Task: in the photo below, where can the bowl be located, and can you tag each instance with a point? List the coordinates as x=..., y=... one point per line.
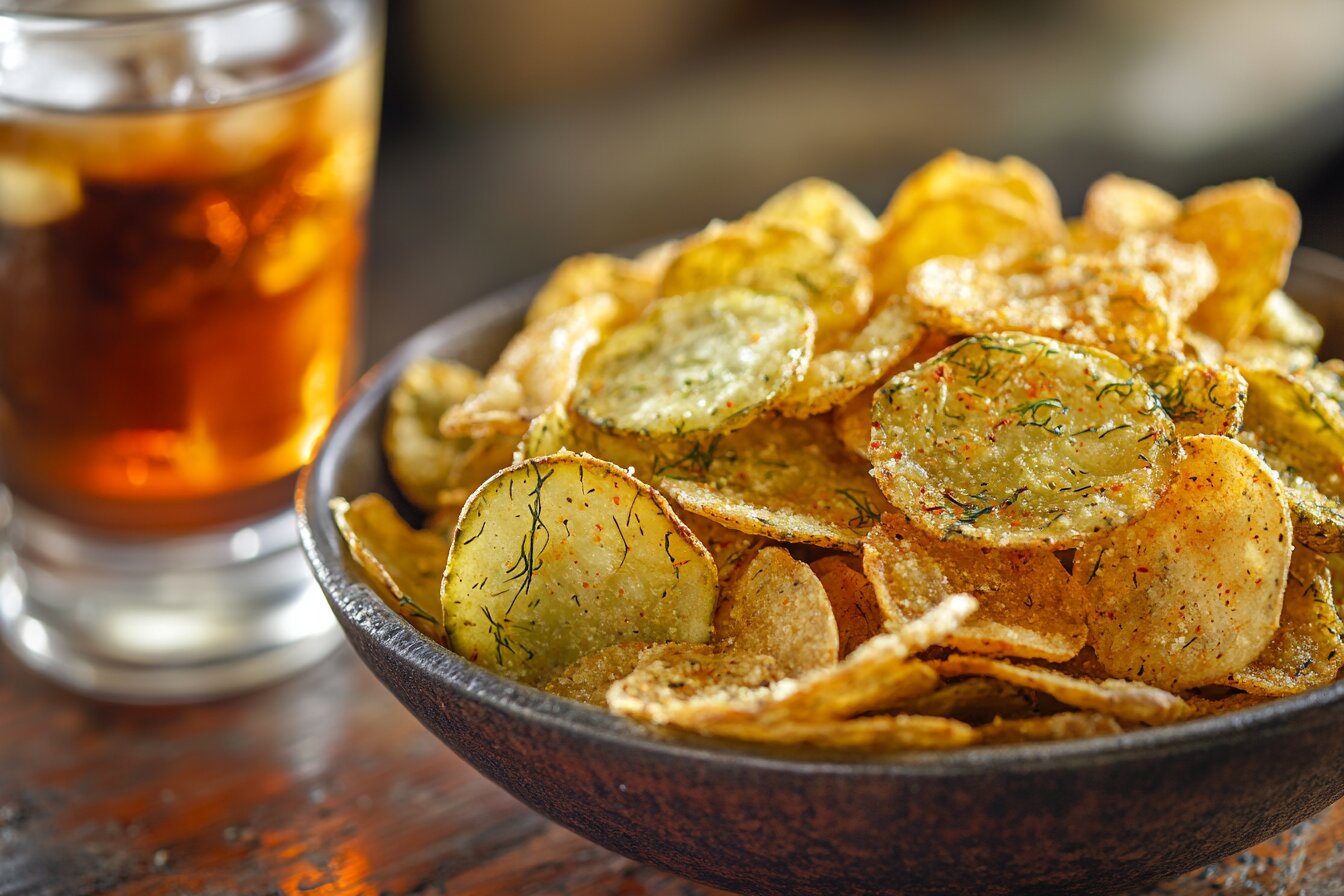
x=1104, y=815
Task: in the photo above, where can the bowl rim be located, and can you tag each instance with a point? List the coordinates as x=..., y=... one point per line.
x=357, y=605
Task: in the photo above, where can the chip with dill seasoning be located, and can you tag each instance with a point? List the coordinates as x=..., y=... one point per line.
x=697, y=363
x=1018, y=440
x=562, y=556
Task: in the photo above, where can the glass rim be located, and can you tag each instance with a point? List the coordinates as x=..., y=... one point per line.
x=72, y=19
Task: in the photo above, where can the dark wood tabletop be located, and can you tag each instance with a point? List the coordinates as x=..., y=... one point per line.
x=325, y=785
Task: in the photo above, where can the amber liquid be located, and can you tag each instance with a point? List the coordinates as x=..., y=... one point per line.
x=178, y=298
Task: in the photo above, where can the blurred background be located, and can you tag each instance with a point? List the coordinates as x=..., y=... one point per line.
x=518, y=132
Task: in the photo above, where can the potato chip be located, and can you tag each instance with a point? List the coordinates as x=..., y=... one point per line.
x=536, y=370
x=444, y=520
x=1206, y=706
x=697, y=363
x=1201, y=347
x=631, y=284
x=674, y=686
x=870, y=733
x=1299, y=424
x=853, y=422
x=789, y=480
x=431, y=470
x=588, y=678
x=732, y=550
x=1250, y=228
x=1192, y=591
x=1130, y=300
x=975, y=701
x=1318, y=520
x=1306, y=652
x=405, y=566
x=1201, y=399
x=1118, y=206
x=1283, y=320
x=778, y=608
x=860, y=360
x=853, y=603
x=1060, y=726
x=1129, y=701
x=960, y=205
x=1027, y=606
x=562, y=556
x=826, y=206
x=779, y=259
x=1252, y=351
x=1018, y=440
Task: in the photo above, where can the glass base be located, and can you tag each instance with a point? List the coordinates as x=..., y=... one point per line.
x=159, y=621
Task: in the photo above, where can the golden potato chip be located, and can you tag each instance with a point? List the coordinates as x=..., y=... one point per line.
x=1201, y=347
x=1027, y=606
x=960, y=205
x=1130, y=300
x=853, y=603
x=562, y=556
x=588, y=678
x=550, y=432
x=860, y=360
x=1306, y=652
x=1299, y=424
x=429, y=469
x=1060, y=726
x=697, y=688
x=1201, y=399
x=1117, y=206
x=1252, y=351
x=536, y=370
x=1318, y=520
x=1207, y=706
x=785, y=479
x=731, y=549
x=405, y=566
x=1283, y=320
x=697, y=363
x=779, y=259
x=1018, y=440
x=778, y=608
x=443, y=521
x=870, y=733
x=853, y=422
x=976, y=701
x=1250, y=228
x=1192, y=591
x=631, y=284
x=1129, y=701
x=826, y=206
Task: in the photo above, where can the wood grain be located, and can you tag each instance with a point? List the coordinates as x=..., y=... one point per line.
x=325, y=785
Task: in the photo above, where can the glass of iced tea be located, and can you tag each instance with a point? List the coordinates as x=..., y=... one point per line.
x=182, y=194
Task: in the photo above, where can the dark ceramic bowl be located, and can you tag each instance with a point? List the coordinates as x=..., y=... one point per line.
x=1104, y=815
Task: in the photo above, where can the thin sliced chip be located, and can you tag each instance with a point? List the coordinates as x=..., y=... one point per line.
x=405, y=566
x=443, y=521
x=853, y=422
x=1201, y=347
x=1192, y=591
x=1306, y=652
x=697, y=363
x=826, y=206
x=1217, y=706
x=781, y=259
x=549, y=432
x=588, y=678
x=961, y=205
x=1252, y=351
x=536, y=370
x=861, y=359
x=429, y=469
x=1027, y=606
x=1250, y=228
x=778, y=608
x=631, y=284
x=975, y=701
x=853, y=603
x=1060, y=726
x=1018, y=440
x=697, y=688
x=874, y=734
x=732, y=550
x=1130, y=300
x=1130, y=701
x=1117, y=206
x=562, y=556
x=1201, y=399
x=1283, y=320
x=1318, y=520
x=790, y=480
x=1298, y=423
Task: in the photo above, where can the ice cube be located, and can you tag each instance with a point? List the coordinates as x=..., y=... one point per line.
x=62, y=77
x=263, y=35
x=33, y=194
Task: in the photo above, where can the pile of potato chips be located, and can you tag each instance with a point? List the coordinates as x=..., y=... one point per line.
x=965, y=473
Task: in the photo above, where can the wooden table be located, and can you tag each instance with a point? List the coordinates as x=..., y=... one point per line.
x=325, y=785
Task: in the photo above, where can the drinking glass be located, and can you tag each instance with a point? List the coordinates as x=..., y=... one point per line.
x=183, y=187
